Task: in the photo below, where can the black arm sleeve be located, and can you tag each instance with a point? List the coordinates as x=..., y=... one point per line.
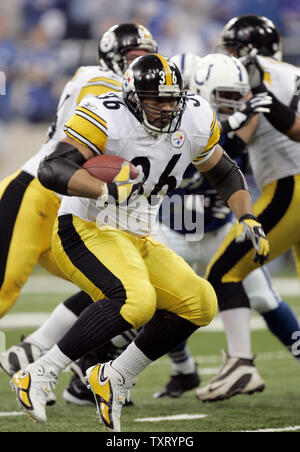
x=235, y=147
x=56, y=169
x=281, y=117
x=226, y=177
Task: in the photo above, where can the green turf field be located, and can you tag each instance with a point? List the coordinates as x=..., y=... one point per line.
x=277, y=408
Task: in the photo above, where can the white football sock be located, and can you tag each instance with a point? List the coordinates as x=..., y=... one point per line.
x=54, y=358
x=237, y=328
x=131, y=362
x=53, y=329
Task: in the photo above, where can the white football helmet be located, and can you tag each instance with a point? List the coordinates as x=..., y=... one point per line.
x=186, y=63
x=222, y=80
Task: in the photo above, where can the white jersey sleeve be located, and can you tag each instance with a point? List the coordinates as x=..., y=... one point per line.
x=202, y=127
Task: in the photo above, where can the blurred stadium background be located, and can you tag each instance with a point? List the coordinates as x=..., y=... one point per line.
x=42, y=42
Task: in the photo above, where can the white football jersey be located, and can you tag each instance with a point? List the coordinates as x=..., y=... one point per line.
x=88, y=80
x=105, y=124
x=273, y=155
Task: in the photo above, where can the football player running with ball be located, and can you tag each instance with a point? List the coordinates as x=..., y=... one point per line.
x=275, y=163
x=133, y=279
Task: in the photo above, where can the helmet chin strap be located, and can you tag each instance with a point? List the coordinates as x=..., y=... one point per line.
x=117, y=68
x=152, y=130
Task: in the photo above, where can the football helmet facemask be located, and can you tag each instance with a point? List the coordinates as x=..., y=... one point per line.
x=222, y=80
x=118, y=40
x=243, y=34
x=155, y=79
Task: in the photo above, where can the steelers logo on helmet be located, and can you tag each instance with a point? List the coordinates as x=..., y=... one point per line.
x=144, y=33
x=108, y=41
x=119, y=40
x=128, y=80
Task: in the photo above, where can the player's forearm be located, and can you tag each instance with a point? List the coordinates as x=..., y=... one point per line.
x=226, y=177
x=294, y=132
x=240, y=203
x=84, y=185
x=284, y=119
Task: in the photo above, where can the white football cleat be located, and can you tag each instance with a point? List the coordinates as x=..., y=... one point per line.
x=236, y=376
x=32, y=386
x=18, y=357
x=110, y=392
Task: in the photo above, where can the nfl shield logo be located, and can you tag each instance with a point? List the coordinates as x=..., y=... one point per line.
x=177, y=139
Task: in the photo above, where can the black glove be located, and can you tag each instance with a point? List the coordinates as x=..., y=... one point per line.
x=255, y=74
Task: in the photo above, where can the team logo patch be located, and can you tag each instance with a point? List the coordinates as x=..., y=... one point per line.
x=144, y=33
x=128, y=80
x=177, y=139
x=108, y=41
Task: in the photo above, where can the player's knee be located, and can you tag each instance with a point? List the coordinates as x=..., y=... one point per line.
x=264, y=301
x=140, y=306
x=208, y=303
x=201, y=305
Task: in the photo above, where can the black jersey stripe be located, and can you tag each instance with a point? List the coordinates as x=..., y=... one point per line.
x=85, y=261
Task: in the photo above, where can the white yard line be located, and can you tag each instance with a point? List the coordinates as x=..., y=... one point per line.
x=184, y=417
x=48, y=284
x=216, y=359
x=23, y=320
x=35, y=319
x=11, y=413
x=52, y=284
x=291, y=428
x=175, y=417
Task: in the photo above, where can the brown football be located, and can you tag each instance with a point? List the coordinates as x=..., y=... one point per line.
x=106, y=167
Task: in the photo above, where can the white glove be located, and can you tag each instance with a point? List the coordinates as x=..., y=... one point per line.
x=257, y=104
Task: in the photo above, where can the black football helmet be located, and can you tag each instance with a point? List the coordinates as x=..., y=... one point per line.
x=118, y=40
x=247, y=32
x=156, y=77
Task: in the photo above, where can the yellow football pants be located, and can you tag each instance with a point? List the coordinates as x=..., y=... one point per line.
x=139, y=274
x=27, y=212
x=277, y=209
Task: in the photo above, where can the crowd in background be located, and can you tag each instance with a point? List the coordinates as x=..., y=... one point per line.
x=42, y=42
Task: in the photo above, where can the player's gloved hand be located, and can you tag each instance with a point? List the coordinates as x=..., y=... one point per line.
x=255, y=73
x=250, y=228
x=257, y=104
x=122, y=186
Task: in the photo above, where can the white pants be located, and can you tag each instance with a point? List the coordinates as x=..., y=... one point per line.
x=263, y=297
